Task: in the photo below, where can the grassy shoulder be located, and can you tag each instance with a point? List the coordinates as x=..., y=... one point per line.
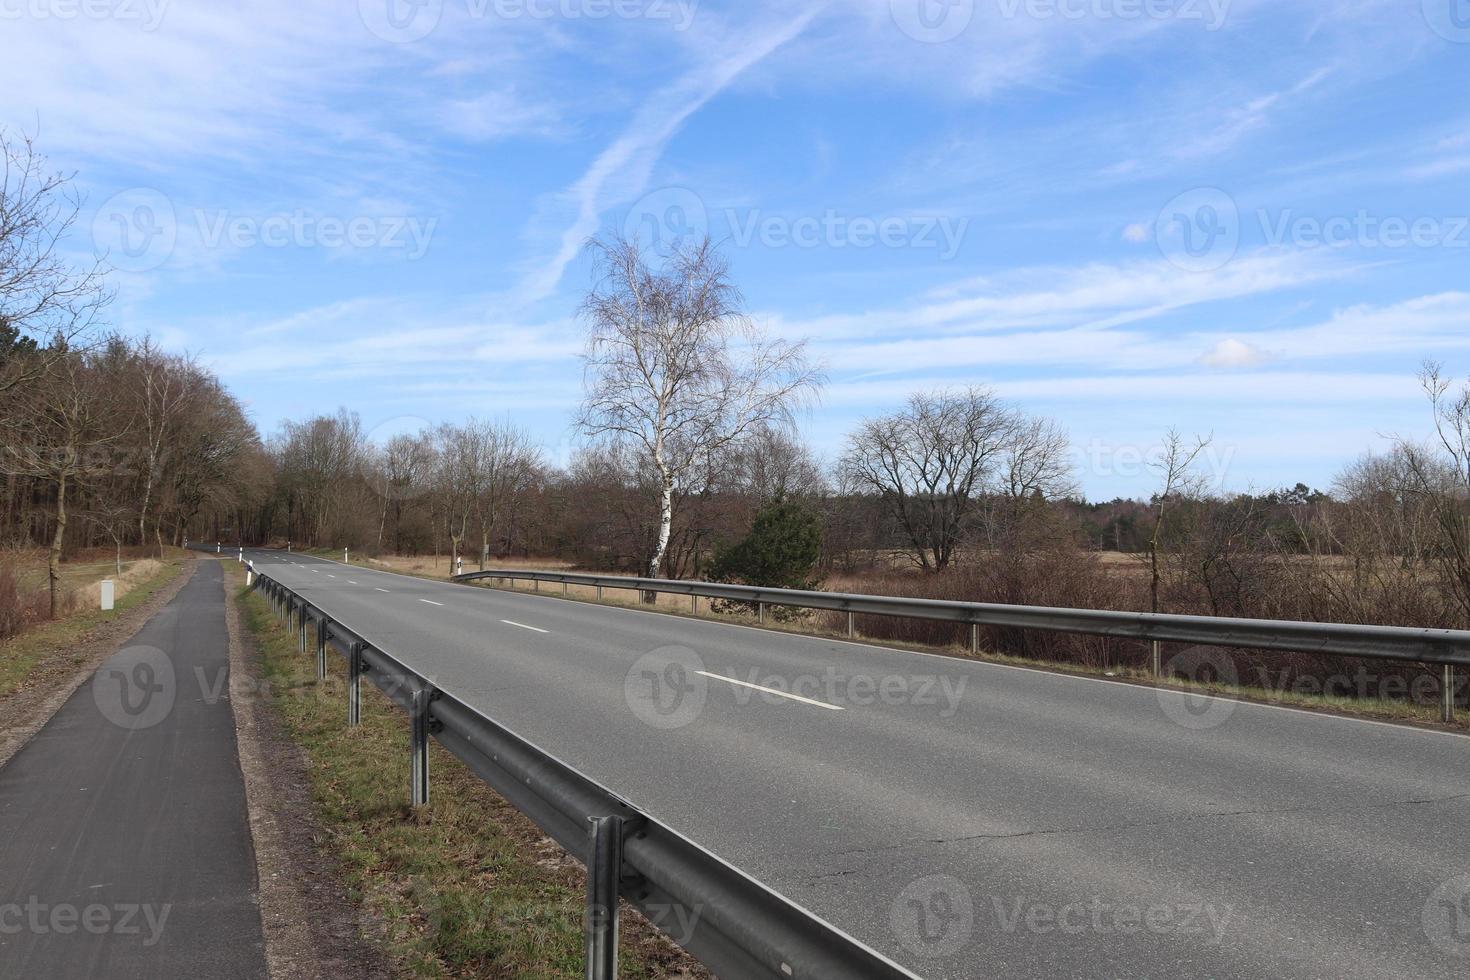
x=466, y=888
x=20, y=654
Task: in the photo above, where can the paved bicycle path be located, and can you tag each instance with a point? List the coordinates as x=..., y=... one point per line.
x=125, y=851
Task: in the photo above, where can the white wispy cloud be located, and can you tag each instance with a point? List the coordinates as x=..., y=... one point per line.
x=1093, y=295
x=620, y=172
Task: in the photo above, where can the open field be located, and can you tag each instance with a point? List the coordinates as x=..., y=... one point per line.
x=21, y=653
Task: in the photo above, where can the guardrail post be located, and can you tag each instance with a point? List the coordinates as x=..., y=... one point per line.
x=301, y=629
x=354, y=685
x=419, y=743
x=1447, y=694
x=321, y=648
x=604, y=874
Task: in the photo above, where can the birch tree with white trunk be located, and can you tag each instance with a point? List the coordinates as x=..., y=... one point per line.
x=675, y=368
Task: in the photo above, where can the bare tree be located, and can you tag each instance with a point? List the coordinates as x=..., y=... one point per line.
x=771, y=464
x=167, y=385
x=459, y=480
x=115, y=517
x=43, y=293
x=56, y=434
x=1175, y=467
x=508, y=461
x=402, y=470
x=1442, y=480
x=673, y=365
x=929, y=463
x=1036, y=460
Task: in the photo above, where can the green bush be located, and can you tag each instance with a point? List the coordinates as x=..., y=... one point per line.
x=780, y=552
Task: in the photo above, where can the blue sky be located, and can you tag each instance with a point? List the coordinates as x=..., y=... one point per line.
x=1241, y=217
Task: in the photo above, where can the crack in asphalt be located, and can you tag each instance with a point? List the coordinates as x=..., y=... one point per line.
x=1131, y=825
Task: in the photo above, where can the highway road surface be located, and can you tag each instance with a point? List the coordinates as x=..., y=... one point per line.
x=125, y=849
x=968, y=819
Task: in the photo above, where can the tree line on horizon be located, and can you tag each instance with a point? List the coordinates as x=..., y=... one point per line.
x=689, y=442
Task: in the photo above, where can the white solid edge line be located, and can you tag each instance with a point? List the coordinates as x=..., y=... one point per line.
x=534, y=629
x=431, y=602
x=772, y=690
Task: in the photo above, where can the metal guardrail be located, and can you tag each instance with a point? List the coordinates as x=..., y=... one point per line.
x=735, y=925
x=1439, y=647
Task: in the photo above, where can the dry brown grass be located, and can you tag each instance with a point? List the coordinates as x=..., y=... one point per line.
x=428, y=566
x=25, y=596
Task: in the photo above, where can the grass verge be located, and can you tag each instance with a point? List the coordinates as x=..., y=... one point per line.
x=20, y=654
x=467, y=887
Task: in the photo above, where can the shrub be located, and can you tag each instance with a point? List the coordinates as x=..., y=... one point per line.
x=780, y=552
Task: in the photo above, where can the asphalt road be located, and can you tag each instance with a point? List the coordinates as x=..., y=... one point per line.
x=126, y=850
x=968, y=819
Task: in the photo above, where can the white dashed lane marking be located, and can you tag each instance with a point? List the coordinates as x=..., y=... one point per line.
x=533, y=629
x=772, y=690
